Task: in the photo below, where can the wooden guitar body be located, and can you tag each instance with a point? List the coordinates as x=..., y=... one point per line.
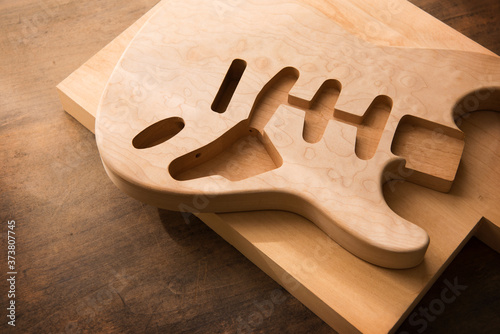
x=273, y=105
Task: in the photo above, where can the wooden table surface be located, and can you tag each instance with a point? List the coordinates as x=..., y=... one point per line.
x=91, y=259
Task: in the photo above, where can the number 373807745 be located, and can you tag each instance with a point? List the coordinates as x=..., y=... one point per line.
x=11, y=240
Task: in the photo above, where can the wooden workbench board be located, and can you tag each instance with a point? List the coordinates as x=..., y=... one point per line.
x=349, y=294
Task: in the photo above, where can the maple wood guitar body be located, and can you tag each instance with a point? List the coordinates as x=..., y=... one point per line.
x=275, y=106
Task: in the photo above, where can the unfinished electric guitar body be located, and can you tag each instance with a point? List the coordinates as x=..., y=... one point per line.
x=272, y=105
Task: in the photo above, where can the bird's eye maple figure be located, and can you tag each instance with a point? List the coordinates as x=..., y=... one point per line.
x=308, y=119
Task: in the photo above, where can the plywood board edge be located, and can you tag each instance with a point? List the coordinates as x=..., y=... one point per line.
x=71, y=106
x=93, y=75
x=277, y=273
x=489, y=233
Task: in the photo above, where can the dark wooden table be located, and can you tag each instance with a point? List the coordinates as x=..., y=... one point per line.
x=91, y=259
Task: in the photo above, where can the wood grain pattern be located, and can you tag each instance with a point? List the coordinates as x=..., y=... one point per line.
x=130, y=227
x=315, y=59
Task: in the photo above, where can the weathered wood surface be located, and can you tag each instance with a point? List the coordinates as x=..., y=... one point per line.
x=92, y=259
